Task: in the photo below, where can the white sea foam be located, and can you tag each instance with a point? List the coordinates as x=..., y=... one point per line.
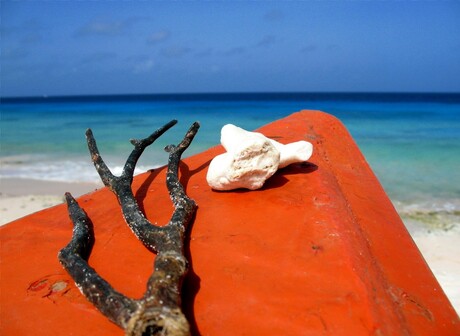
x=67, y=170
x=434, y=215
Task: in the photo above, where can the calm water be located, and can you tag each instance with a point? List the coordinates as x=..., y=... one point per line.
x=411, y=141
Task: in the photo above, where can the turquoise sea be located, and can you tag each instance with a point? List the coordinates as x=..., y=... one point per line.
x=412, y=141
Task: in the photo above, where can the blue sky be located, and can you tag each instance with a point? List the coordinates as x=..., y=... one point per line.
x=118, y=47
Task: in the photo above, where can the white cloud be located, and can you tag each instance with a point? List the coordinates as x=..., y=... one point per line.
x=158, y=37
x=101, y=28
x=106, y=27
x=144, y=66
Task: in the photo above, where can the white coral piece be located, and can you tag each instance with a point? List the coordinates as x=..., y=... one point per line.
x=251, y=159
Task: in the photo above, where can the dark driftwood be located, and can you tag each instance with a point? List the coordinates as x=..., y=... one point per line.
x=158, y=312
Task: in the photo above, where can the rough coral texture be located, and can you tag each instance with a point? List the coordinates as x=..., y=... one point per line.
x=251, y=158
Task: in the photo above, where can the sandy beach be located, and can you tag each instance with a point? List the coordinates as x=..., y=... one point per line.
x=439, y=246
x=20, y=197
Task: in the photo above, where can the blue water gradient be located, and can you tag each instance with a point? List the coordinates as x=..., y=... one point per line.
x=412, y=141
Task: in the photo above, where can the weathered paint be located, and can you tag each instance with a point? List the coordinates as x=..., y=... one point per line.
x=319, y=250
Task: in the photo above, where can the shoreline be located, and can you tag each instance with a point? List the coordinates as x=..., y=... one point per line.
x=439, y=247
x=21, y=197
x=11, y=187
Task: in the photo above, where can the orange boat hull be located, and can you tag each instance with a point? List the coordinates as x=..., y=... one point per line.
x=319, y=250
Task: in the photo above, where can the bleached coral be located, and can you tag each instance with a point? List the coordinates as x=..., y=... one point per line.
x=251, y=159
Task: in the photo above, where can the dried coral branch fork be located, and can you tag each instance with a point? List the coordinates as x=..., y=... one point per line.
x=159, y=311
x=318, y=250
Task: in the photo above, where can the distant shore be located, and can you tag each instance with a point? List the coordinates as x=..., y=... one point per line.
x=20, y=197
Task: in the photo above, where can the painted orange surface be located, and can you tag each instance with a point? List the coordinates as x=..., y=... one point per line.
x=320, y=250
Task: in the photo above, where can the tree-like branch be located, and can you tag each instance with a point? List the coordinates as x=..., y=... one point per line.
x=73, y=257
x=121, y=185
x=159, y=310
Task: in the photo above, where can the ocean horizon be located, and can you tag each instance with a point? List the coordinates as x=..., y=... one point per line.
x=410, y=140
x=446, y=97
